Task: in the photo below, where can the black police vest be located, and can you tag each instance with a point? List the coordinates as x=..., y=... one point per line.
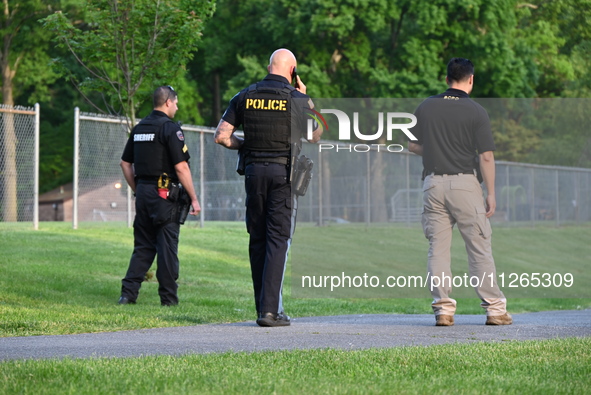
x=150, y=155
x=267, y=118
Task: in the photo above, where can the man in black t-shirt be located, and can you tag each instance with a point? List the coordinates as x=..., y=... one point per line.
x=455, y=140
x=156, y=146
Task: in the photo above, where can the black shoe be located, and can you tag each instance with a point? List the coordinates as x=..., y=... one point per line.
x=273, y=319
x=124, y=300
x=168, y=304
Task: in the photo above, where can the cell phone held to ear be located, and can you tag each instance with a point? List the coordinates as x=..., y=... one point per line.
x=294, y=78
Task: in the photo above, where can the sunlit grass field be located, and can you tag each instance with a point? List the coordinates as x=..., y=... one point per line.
x=62, y=281
x=57, y=280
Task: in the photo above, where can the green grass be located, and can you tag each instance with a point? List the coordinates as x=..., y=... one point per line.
x=547, y=367
x=382, y=251
x=61, y=281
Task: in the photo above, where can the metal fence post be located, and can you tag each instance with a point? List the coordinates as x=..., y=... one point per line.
x=320, y=189
x=508, y=202
x=368, y=190
x=557, y=186
x=202, y=177
x=129, y=207
x=76, y=160
x=36, y=172
x=532, y=211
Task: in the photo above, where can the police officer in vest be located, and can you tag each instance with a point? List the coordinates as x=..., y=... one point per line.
x=267, y=110
x=155, y=165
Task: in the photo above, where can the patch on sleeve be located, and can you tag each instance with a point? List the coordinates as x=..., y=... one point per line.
x=185, y=149
x=180, y=135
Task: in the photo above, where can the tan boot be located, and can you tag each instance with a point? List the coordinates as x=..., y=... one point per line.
x=504, y=319
x=444, y=320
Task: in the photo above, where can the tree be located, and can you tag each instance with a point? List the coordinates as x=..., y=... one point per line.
x=234, y=53
x=562, y=32
x=23, y=64
x=128, y=47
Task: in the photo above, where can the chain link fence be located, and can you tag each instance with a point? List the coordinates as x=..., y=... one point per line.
x=100, y=192
x=19, y=164
x=370, y=186
x=379, y=186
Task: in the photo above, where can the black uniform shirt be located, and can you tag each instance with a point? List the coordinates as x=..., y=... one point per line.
x=171, y=136
x=452, y=128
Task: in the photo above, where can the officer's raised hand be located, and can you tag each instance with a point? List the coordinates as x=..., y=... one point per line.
x=300, y=87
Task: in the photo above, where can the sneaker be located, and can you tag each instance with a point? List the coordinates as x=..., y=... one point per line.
x=273, y=319
x=444, y=320
x=504, y=319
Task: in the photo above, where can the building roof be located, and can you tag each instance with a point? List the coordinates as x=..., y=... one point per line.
x=59, y=194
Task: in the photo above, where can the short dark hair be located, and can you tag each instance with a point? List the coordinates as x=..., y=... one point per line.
x=459, y=69
x=162, y=94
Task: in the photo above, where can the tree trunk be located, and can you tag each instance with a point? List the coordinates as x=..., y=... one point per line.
x=217, y=193
x=326, y=196
x=217, y=99
x=379, y=207
x=8, y=149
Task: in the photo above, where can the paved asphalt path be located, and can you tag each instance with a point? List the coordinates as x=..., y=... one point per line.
x=341, y=332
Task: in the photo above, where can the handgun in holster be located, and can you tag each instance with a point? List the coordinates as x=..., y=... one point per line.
x=184, y=205
x=293, y=160
x=302, y=175
x=477, y=170
x=241, y=161
x=300, y=170
x=177, y=194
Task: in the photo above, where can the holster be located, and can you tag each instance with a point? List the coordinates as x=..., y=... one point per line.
x=478, y=172
x=184, y=205
x=241, y=161
x=174, y=190
x=177, y=206
x=301, y=175
x=293, y=159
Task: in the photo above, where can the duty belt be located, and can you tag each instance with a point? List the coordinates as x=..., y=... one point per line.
x=281, y=160
x=152, y=180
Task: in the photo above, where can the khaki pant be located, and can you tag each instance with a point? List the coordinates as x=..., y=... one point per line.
x=447, y=200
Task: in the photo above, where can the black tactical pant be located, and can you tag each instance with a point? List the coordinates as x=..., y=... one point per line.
x=151, y=238
x=270, y=221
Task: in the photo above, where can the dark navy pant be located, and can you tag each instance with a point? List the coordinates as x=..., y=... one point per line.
x=270, y=221
x=151, y=240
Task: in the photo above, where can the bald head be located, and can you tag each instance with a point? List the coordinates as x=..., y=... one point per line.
x=282, y=63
